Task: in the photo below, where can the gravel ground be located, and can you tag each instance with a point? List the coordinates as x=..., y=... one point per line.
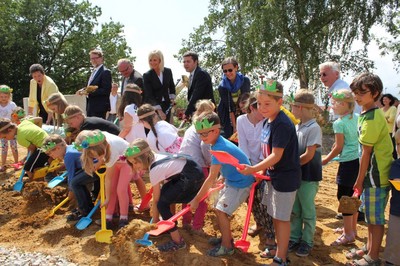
x=16, y=257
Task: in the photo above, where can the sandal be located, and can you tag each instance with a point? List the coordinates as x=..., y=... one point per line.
x=172, y=246
x=343, y=240
x=278, y=261
x=357, y=253
x=366, y=260
x=254, y=230
x=338, y=230
x=269, y=252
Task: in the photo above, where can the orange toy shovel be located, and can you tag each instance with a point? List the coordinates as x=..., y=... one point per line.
x=163, y=226
x=243, y=244
x=146, y=199
x=103, y=235
x=226, y=158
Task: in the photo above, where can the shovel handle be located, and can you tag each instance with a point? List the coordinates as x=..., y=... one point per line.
x=247, y=221
x=146, y=236
x=90, y=214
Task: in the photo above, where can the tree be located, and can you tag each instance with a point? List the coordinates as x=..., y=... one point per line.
x=287, y=37
x=57, y=34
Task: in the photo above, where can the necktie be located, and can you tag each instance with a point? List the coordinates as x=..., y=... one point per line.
x=190, y=80
x=91, y=77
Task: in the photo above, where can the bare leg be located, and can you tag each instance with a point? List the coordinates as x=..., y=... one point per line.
x=225, y=228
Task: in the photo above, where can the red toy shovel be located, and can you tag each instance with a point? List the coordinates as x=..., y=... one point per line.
x=163, y=226
x=242, y=243
x=226, y=158
x=146, y=199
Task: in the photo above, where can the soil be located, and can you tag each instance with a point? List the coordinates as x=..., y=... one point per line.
x=24, y=223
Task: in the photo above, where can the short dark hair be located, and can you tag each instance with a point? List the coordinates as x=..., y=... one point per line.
x=192, y=54
x=36, y=68
x=390, y=97
x=369, y=80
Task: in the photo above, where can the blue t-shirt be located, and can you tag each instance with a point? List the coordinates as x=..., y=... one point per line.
x=395, y=199
x=232, y=177
x=281, y=133
x=347, y=125
x=72, y=162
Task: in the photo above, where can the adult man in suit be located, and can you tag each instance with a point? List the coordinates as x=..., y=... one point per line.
x=97, y=102
x=200, y=85
x=129, y=74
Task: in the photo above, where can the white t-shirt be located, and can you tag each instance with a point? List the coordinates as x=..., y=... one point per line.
x=193, y=146
x=6, y=111
x=249, y=138
x=137, y=129
x=166, y=170
x=117, y=146
x=113, y=103
x=167, y=134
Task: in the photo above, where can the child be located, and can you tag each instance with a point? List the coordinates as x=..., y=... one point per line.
x=57, y=104
x=391, y=254
x=107, y=148
x=281, y=152
x=163, y=137
x=181, y=179
x=29, y=136
x=249, y=127
x=6, y=108
x=200, y=152
x=127, y=111
x=237, y=186
x=55, y=147
x=112, y=114
x=309, y=135
x=375, y=162
x=346, y=148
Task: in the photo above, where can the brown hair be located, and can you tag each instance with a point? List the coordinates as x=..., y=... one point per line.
x=145, y=109
x=146, y=158
x=279, y=88
x=210, y=116
x=57, y=139
x=369, y=80
x=129, y=97
x=6, y=125
x=251, y=101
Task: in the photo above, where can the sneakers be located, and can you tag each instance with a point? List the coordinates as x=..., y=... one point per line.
x=74, y=216
x=122, y=223
x=172, y=246
x=220, y=251
x=215, y=241
x=293, y=245
x=303, y=250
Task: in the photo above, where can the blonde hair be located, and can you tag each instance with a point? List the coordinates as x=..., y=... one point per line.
x=348, y=98
x=73, y=110
x=146, y=158
x=279, y=89
x=202, y=106
x=158, y=54
x=304, y=96
x=102, y=148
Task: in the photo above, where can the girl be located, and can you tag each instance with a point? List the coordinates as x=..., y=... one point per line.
x=233, y=84
x=106, y=148
x=131, y=101
x=6, y=108
x=57, y=104
x=249, y=127
x=30, y=136
x=181, y=178
x=346, y=148
x=163, y=137
x=200, y=152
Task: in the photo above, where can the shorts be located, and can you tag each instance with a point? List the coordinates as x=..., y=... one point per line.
x=374, y=203
x=393, y=240
x=36, y=160
x=279, y=204
x=230, y=198
x=347, y=173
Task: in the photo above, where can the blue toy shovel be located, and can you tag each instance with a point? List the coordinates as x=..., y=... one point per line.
x=19, y=184
x=57, y=180
x=84, y=222
x=145, y=240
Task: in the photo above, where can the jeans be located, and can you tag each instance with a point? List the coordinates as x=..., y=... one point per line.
x=82, y=195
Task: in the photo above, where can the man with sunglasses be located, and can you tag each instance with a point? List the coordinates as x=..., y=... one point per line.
x=129, y=74
x=200, y=85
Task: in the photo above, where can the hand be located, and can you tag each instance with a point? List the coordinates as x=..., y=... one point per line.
x=247, y=170
x=80, y=92
x=71, y=195
x=104, y=204
x=324, y=161
x=193, y=205
x=358, y=186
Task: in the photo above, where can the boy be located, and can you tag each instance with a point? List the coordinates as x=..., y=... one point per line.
x=375, y=162
x=281, y=152
x=304, y=216
x=237, y=186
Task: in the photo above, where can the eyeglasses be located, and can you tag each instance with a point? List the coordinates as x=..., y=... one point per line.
x=360, y=93
x=123, y=71
x=323, y=74
x=227, y=70
x=205, y=134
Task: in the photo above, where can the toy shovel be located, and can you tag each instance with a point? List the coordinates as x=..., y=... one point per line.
x=163, y=226
x=53, y=211
x=145, y=240
x=19, y=184
x=226, y=158
x=146, y=199
x=243, y=244
x=103, y=235
x=350, y=204
x=57, y=180
x=84, y=222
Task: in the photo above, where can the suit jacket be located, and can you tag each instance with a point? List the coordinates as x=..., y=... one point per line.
x=154, y=91
x=99, y=101
x=48, y=87
x=200, y=88
x=135, y=77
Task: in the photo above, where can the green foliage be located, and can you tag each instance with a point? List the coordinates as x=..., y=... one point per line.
x=58, y=34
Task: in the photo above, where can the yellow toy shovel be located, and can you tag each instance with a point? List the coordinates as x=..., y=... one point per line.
x=53, y=211
x=103, y=235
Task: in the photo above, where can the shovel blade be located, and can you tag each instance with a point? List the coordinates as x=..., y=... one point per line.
x=18, y=186
x=83, y=223
x=162, y=226
x=243, y=245
x=144, y=242
x=55, y=181
x=104, y=236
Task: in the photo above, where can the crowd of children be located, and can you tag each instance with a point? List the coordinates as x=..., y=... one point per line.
x=182, y=170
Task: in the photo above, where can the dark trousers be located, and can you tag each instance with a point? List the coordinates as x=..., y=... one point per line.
x=82, y=195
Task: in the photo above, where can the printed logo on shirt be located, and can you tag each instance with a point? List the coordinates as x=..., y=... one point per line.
x=265, y=135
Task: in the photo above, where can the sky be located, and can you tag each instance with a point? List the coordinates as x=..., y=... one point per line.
x=162, y=24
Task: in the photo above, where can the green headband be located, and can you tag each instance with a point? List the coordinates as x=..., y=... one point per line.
x=5, y=89
x=204, y=125
x=269, y=87
x=135, y=151
x=90, y=141
x=48, y=146
x=341, y=96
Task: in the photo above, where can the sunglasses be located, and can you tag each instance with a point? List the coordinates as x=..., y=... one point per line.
x=227, y=70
